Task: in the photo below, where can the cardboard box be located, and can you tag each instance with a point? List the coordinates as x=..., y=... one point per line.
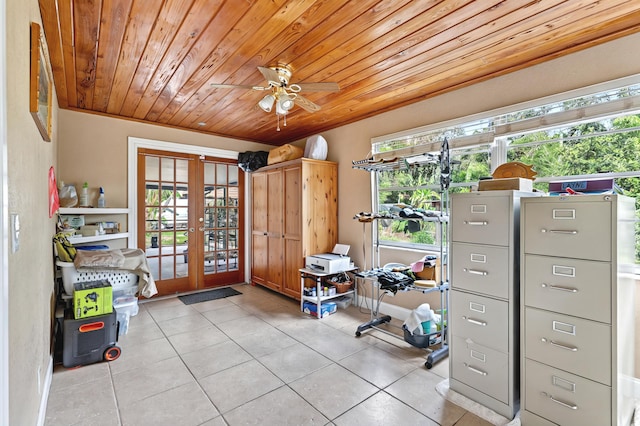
x=92, y=298
x=518, y=184
x=326, y=309
x=75, y=221
x=431, y=272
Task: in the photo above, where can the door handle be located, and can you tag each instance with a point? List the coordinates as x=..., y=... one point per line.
x=192, y=229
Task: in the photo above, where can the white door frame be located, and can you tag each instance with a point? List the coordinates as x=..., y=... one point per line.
x=134, y=144
x=4, y=226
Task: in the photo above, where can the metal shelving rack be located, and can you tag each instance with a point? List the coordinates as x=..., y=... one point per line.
x=442, y=219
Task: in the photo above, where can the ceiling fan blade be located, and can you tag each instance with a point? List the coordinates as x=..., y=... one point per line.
x=237, y=86
x=270, y=75
x=306, y=104
x=319, y=87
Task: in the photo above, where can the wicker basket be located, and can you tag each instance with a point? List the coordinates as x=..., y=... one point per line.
x=342, y=287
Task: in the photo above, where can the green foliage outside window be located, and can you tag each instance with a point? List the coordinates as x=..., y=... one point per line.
x=572, y=151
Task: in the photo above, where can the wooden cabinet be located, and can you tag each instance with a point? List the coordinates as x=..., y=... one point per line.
x=294, y=215
x=577, y=310
x=484, y=315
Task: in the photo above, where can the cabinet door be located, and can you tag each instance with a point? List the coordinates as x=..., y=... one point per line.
x=275, y=254
x=259, y=202
x=292, y=214
x=259, y=239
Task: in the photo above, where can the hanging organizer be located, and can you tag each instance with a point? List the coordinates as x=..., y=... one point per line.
x=376, y=276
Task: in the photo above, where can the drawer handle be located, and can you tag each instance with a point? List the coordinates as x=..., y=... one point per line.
x=475, y=370
x=475, y=272
x=557, y=401
x=476, y=322
x=476, y=223
x=559, y=288
x=559, y=231
x=558, y=345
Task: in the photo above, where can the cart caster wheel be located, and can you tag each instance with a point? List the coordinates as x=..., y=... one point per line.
x=428, y=365
x=112, y=353
x=358, y=334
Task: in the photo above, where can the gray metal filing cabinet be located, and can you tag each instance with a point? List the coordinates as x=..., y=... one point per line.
x=484, y=300
x=577, y=310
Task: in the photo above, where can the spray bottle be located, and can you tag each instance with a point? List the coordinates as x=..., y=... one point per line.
x=101, y=198
x=84, y=195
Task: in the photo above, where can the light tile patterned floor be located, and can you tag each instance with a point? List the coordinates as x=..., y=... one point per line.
x=251, y=359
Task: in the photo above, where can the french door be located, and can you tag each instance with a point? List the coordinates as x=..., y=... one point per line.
x=190, y=217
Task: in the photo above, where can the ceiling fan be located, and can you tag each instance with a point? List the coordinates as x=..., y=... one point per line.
x=283, y=94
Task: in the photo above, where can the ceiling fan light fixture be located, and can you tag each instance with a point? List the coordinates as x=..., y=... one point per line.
x=283, y=105
x=266, y=103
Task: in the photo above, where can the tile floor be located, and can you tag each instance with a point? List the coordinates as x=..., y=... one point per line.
x=251, y=359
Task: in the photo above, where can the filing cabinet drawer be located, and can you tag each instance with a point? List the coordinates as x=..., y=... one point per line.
x=480, y=367
x=567, y=228
x=574, y=287
x=564, y=398
x=573, y=344
x=483, y=319
x=480, y=268
x=481, y=219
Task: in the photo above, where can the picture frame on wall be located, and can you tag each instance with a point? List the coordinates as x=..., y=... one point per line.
x=40, y=86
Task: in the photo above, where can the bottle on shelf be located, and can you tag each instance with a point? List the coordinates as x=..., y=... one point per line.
x=84, y=195
x=101, y=198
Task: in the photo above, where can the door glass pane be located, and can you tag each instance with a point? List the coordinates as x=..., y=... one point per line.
x=167, y=169
x=221, y=174
x=182, y=170
x=152, y=171
x=167, y=268
x=233, y=175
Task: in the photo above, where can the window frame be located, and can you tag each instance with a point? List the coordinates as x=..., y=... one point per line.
x=501, y=129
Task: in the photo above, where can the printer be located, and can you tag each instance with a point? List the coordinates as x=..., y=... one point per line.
x=330, y=263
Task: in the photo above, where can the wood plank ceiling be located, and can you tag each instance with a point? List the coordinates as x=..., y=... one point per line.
x=156, y=60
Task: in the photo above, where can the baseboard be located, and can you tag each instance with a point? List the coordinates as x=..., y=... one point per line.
x=393, y=311
x=45, y=392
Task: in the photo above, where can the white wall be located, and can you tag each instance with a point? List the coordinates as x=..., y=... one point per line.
x=31, y=287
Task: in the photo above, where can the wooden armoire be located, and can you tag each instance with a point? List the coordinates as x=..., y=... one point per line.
x=294, y=214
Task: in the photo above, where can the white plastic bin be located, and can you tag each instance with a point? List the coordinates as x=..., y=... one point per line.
x=126, y=307
x=118, y=279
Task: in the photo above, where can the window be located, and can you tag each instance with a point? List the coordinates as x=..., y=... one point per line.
x=586, y=137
